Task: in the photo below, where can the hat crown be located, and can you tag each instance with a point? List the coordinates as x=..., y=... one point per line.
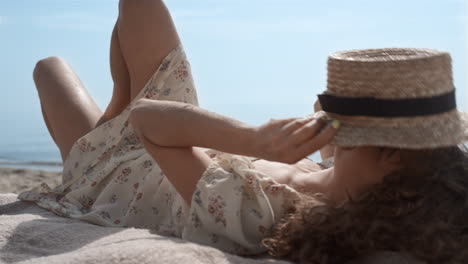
x=389, y=73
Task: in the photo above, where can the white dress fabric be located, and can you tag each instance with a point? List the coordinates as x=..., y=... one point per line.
x=109, y=179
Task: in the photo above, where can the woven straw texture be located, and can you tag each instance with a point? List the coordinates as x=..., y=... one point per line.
x=395, y=74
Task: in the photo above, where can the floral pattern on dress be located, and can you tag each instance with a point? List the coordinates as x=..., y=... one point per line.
x=110, y=179
x=84, y=145
x=181, y=73
x=165, y=65
x=236, y=205
x=147, y=164
x=85, y=201
x=216, y=206
x=152, y=92
x=123, y=175
x=105, y=156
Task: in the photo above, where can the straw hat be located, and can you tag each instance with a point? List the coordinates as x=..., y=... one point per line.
x=393, y=97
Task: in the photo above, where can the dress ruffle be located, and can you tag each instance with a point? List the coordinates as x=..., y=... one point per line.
x=235, y=205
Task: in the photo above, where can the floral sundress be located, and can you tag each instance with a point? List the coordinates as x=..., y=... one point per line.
x=109, y=179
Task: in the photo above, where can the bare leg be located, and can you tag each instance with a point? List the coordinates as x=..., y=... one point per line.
x=147, y=34
x=68, y=110
x=118, y=67
x=47, y=122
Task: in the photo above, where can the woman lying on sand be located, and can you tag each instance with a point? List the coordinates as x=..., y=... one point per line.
x=155, y=159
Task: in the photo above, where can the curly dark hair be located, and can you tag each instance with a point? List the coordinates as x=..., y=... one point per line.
x=421, y=210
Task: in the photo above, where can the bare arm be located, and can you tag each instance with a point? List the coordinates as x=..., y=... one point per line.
x=170, y=130
x=177, y=124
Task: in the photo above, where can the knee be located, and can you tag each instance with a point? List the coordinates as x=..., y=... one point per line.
x=45, y=65
x=137, y=5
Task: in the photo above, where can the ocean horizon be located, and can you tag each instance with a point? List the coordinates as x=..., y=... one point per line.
x=29, y=149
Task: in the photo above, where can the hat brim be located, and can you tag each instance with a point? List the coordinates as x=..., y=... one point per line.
x=441, y=130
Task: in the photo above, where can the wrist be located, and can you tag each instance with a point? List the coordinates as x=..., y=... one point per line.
x=249, y=139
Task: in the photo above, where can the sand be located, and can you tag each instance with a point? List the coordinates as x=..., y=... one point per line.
x=15, y=180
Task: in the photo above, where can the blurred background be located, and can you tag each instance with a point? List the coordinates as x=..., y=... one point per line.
x=251, y=59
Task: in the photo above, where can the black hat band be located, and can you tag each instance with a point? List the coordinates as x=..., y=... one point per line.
x=371, y=106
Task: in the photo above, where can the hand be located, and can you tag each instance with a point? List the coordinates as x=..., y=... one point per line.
x=291, y=139
x=328, y=150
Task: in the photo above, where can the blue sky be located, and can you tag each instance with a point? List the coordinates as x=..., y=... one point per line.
x=251, y=59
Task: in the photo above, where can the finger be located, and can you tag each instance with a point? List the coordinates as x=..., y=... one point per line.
x=289, y=128
x=279, y=122
x=317, y=142
x=295, y=124
x=307, y=131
